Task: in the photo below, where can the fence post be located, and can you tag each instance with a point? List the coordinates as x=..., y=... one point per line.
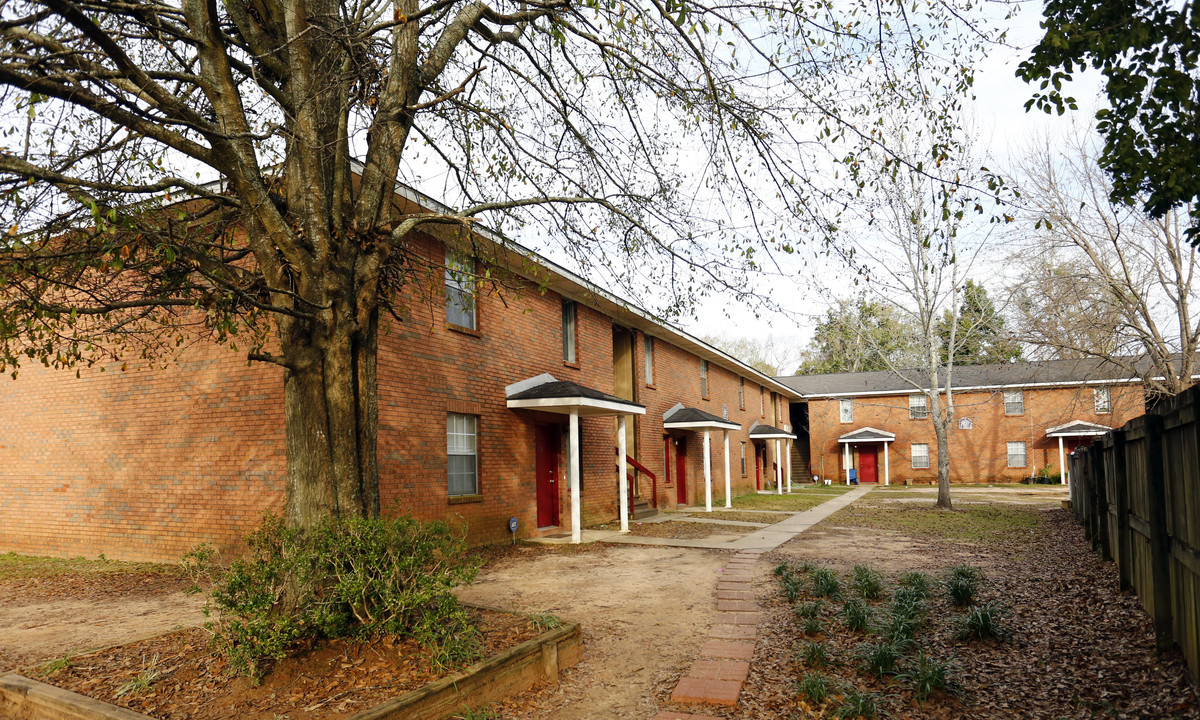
x=1121, y=491
x=1160, y=542
x=1100, y=478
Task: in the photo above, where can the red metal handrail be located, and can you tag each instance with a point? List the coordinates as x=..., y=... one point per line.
x=640, y=467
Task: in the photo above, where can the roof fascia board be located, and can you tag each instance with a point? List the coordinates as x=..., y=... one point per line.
x=569, y=402
x=700, y=425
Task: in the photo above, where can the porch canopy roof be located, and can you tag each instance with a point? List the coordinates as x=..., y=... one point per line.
x=544, y=393
x=1077, y=428
x=766, y=432
x=686, y=418
x=868, y=434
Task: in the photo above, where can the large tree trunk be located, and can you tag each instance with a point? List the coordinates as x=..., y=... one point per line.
x=941, y=430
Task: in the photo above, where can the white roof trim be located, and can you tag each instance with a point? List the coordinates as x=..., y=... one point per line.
x=850, y=436
x=527, y=383
x=702, y=425
x=565, y=404
x=1091, y=429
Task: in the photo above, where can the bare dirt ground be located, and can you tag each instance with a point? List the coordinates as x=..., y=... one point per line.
x=49, y=618
x=644, y=611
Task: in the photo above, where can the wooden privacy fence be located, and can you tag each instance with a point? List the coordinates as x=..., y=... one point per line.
x=1137, y=494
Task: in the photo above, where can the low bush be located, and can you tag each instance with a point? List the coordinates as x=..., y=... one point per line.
x=916, y=583
x=808, y=610
x=825, y=583
x=814, y=656
x=983, y=622
x=880, y=658
x=812, y=627
x=346, y=577
x=926, y=675
x=866, y=582
x=859, y=704
x=813, y=688
x=857, y=615
x=960, y=590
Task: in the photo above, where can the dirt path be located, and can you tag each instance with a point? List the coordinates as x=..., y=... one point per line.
x=644, y=611
x=44, y=629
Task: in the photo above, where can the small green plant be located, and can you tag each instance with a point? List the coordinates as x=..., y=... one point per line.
x=812, y=627
x=880, y=658
x=857, y=615
x=544, y=621
x=805, y=568
x=792, y=587
x=783, y=568
x=813, y=688
x=145, y=680
x=966, y=572
x=983, y=622
x=960, y=590
x=926, y=675
x=809, y=609
x=825, y=583
x=866, y=582
x=916, y=583
x=815, y=656
x=487, y=712
x=900, y=630
x=859, y=704
x=907, y=603
x=54, y=666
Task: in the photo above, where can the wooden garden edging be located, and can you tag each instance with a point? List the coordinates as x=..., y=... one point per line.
x=1137, y=494
x=496, y=677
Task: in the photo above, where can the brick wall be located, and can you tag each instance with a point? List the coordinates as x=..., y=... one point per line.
x=978, y=454
x=145, y=463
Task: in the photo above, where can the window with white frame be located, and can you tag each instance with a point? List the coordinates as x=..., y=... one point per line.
x=703, y=378
x=1103, y=400
x=743, y=458
x=847, y=410
x=1014, y=402
x=461, y=460
x=460, y=290
x=762, y=403
x=920, y=456
x=741, y=393
x=918, y=407
x=1016, y=454
x=648, y=358
x=568, y=330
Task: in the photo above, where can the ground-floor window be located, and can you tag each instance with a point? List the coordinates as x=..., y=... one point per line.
x=920, y=456
x=1016, y=454
x=461, y=459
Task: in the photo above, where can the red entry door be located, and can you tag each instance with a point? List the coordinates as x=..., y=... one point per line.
x=867, y=468
x=546, y=449
x=681, y=495
x=757, y=469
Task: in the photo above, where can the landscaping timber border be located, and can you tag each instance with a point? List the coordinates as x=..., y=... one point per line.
x=496, y=677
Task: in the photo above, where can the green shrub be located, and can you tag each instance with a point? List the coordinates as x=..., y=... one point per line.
x=813, y=688
x=812, y=627
x=880, y=658
x=960, y=590
x=825, y=583
x=345, y=577
x=916, y=583
x=982, y=622
x=808, y=610
x=859, y=704
x=857, y=615
x=783, y=568
x=792, y=587
x=901, y=629
x=815, y=655
x=925, y=675
x=966, y=572
x=866, y=582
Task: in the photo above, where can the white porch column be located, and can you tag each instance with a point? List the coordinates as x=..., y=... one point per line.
x=621, y=474
x=787, y=462
x=887, y=471
x=1062, y=462
x=778, y=470
x=573, y=478
x=846, y=461
x=728, y=490
x=707, y=473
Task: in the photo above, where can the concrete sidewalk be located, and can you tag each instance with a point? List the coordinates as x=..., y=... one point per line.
x=767, y=538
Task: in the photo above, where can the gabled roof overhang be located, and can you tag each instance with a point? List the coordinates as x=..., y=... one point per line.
x=543, y=392
x=868, y=434
x=766, y=432
x=686, y=418
x=1078, y=428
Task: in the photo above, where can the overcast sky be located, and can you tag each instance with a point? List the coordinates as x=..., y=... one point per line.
x=1003, y=128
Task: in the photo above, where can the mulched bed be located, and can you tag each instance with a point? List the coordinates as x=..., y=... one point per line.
x=334, y=679
x=682, y=529
x=1080, y=648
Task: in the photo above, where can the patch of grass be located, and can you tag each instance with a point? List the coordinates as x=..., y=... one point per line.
x=790, y=503
x=815, y=656
x=812, y=627
x=880, y=658
x=809, y=609
x=966, y=572
x=19, y=567
x=53, y=666
x=925, y=675
x=859, y=704
x=907, y=603
x=983, y=622
x=487, y=712
x=900, y=629
x=917, y=583
x=783, y=568
x=544, y=621
x=966, y=522
x=857, y=615
x=792, y=586
x=825, y=583
x=145, y=680
x=764, y=518
x=813, y=688
x=960, y=590
x=866, y=582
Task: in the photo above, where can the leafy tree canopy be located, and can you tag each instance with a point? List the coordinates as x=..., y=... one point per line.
x=1149, y=53
x=980, y=338
x=861, y=335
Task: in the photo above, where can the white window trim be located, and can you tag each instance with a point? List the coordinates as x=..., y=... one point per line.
x=704, y=386
x=843, y=415
x=1009, y=446
x=472, y=452
x=918, y=411
x=648, y=359
x=570, y=334
x=1020, y=399
x=1105, y=407
x=742, y=395
x=913, y=454
x=459, y=269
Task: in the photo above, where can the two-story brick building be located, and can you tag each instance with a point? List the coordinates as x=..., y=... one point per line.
x=493, y=404
x=1011, y=420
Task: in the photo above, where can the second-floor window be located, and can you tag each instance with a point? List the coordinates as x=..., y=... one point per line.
x=741, y=393
x=918, y=407
x=1014, y=402
x=568, y=330
x=460, y=290
x=703, y=378
x=1103, y=400
x=648, y=358
x=847, y=410
x=743, y=458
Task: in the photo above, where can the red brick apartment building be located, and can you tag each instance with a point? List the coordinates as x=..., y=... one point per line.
x=478, y=392
x=1011, y=421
